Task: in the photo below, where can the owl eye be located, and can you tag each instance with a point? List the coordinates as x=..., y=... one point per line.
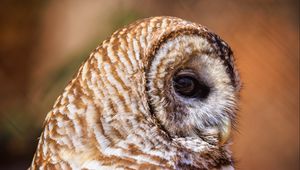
x=187, y=85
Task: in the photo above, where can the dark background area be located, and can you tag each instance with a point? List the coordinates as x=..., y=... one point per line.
x=42, y=44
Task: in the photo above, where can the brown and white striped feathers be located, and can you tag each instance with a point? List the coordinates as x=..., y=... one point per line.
x=160, y=93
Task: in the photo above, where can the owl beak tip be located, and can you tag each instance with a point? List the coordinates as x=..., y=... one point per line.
x=224, y=132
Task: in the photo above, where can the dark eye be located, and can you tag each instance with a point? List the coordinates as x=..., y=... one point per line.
x=186, y=85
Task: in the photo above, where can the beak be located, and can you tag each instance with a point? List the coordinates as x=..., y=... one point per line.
x=224, y=132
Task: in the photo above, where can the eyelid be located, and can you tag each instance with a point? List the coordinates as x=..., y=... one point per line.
x=187, y=72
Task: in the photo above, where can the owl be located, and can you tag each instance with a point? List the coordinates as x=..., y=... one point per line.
x=160, y=93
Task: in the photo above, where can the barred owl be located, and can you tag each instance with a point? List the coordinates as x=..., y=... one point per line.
x=160, y=93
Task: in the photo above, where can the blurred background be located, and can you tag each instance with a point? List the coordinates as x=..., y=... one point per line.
x=42, y=44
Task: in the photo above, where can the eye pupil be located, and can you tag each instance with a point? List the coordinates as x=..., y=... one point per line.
x=188, y=86
x=184, y=85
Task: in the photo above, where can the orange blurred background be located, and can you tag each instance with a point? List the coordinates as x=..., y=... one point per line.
x=42, y=44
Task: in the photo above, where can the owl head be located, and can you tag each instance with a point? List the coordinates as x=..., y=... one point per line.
x=160, y=93
x=193, y=85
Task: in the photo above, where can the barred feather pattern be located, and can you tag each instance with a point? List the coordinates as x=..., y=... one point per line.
x=116, y=113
